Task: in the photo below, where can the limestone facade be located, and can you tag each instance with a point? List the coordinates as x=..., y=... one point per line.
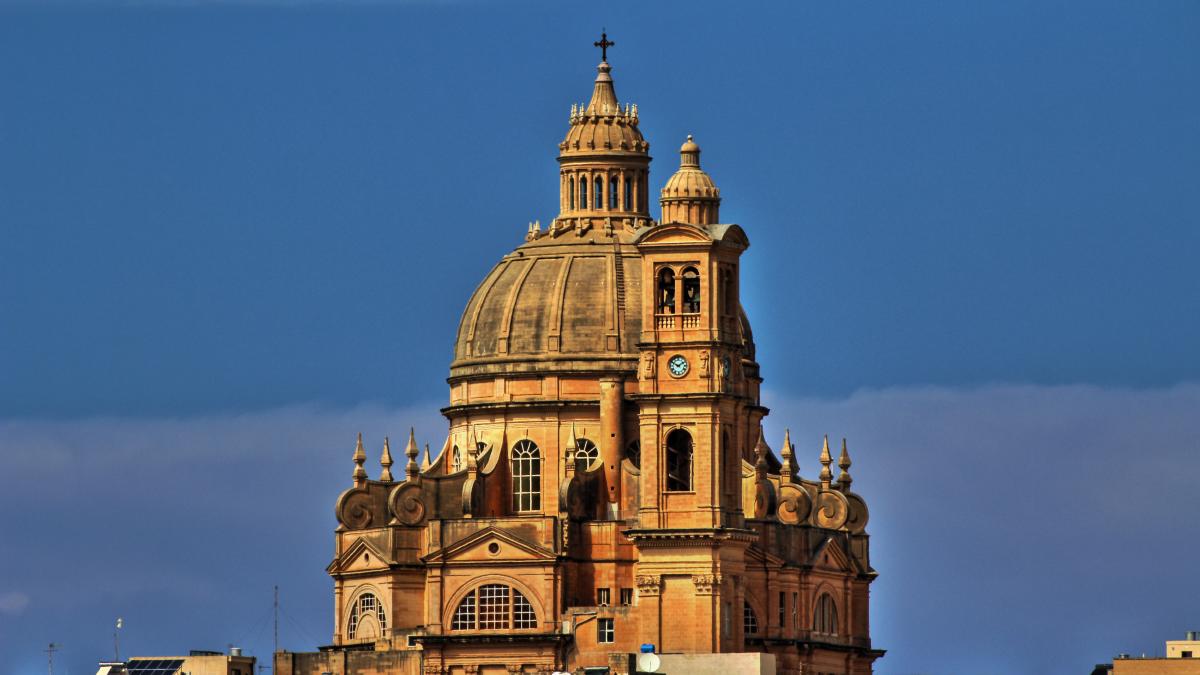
x=604, y=482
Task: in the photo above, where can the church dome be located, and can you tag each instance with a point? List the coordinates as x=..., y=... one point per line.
x=572, y=305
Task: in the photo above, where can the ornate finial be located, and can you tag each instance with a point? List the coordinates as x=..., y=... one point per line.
x=386, y=462
x=788, y=454
x=473, y=452
x=410, y=469
x=844, y=478
x=572, y=447
x=760, y=454
x=426, y=461
x=826, y=460
x=603, y=44
x=360, y=457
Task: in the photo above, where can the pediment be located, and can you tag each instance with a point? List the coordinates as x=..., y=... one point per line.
x=676, y=233
x=671, y=233
x=830, y=557
x=491, y=545
x=361, y=556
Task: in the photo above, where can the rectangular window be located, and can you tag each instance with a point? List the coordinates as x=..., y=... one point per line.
x=1185, y=655
x=603, y=597
x=782, y=609
x=626, y=596
x=795, y=611
x=605, y=633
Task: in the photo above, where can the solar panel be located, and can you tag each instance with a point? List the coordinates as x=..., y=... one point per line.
x=153, y=666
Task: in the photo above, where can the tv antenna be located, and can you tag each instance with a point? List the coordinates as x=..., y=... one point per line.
x=50, y=656
x=276, y=608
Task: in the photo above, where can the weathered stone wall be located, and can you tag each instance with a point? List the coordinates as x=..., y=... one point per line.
x=401, y=662
x=1156, y=667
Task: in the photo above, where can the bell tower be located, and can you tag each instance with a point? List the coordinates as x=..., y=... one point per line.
x=698, y=413
x=698, y=409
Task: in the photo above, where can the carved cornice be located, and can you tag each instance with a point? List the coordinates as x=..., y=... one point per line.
x=648, y=584
x=689, y=537
x=494, y=638
x=705, y=583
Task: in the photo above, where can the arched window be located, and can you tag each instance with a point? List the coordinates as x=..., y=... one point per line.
x=825, y=619
x=571, y=190
x=679, y=461
x=634, y=452
x=526, y=476
x=456, y=459
x=586, y=454
x=367, y=605
x=583, y=192
x=598, y=194
x=628, y=194
x=749, y=619
x=691, y=291
x=666, y=291
x=614, y=189
x=494, y=607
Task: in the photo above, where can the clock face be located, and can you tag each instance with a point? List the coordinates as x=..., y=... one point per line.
x=678, y=365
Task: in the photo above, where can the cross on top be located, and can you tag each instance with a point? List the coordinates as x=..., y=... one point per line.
x=604, y=44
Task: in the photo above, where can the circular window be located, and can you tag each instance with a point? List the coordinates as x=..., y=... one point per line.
x=493, y=548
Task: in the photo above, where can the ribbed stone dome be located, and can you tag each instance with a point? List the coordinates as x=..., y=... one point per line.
x=569, y=299
x=573, y=305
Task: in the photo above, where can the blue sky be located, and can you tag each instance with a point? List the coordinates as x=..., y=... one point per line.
x=234, y=234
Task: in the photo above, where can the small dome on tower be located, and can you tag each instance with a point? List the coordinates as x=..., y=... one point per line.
x=690, y=196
